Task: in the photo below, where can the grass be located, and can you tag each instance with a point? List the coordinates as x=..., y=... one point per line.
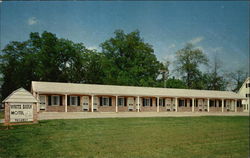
x=194, y=137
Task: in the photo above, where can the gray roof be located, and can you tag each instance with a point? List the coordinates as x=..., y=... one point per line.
x=89, y=89
x=20, y=96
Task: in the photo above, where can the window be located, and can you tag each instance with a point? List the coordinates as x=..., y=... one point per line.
x=247, y=85
x=212, y=103
x=185, y=103
x=146, y=101
x=162, y=102
x=220, y=103
x=73, y=100
x=121, y=101
x=55, y=99
x=105, y=101
x=247, y=95
x=239, y=104
x=181, y=103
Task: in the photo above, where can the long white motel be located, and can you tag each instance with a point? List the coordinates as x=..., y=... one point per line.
x=71, y=97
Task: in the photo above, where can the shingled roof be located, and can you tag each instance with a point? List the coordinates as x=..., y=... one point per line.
x=20, y=96
x=89, y=89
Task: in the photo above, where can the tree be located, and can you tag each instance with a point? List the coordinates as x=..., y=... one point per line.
x=16, y=67
x=187, y=63
x=93, y=67
x=236, y=79
x=214, y=78
x=164, y=72
x=128, y=60
x=47, y=58
x=175, y=83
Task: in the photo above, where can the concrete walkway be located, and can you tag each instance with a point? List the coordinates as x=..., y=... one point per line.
x=84, y=115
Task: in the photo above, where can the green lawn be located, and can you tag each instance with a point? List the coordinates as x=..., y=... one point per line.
x=129, y=137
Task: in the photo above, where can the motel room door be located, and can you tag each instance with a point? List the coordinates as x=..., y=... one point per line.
x=42, y=102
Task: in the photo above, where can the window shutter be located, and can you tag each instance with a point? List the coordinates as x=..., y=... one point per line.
x=143, y=102
x=60, y=101
x=163, y=102
x=156, y=101
x=110, y=101
x=49, y=100
x=151, y=102
x=68, y=100
x=100, y=101
x=125, y=101
x=78, y=101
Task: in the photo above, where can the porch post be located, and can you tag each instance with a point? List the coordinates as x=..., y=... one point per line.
x=138, y=104
x=116, y=103
x=222, y=105
x=231, y=105
x=235, y=105
x=208, y=106
x=192, y=104
x=158, y=104
x=38, y=103
x=92, y=103
x=176, y=104
x=66, y=102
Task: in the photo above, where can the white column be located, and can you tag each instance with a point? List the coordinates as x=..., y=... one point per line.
x=235, y=105
x=92, y=103
x=158, y=104
x=38, y=103
x=66, y=102
x=192, y=104
x=176, y=104
x=208, y=105
x=222, y=105
x=231, y=105
x=138, y=104
x=116, y=103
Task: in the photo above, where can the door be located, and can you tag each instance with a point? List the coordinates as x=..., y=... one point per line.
x=42, y=102
x=85, y=103
x=130, y=103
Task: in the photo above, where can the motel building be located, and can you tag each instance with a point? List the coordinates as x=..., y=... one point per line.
x=244, y=91
x=71, y=97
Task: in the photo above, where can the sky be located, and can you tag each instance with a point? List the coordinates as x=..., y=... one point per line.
x=219, y=28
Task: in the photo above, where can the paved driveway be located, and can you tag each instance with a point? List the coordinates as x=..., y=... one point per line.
x=83, y=115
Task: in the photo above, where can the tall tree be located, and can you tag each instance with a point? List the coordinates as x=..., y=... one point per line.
x=128, y=60
x=236, y=79
x=215, y=78
x=187, y=62
x=17, y=65
x=175, y=83
x=46, y=58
